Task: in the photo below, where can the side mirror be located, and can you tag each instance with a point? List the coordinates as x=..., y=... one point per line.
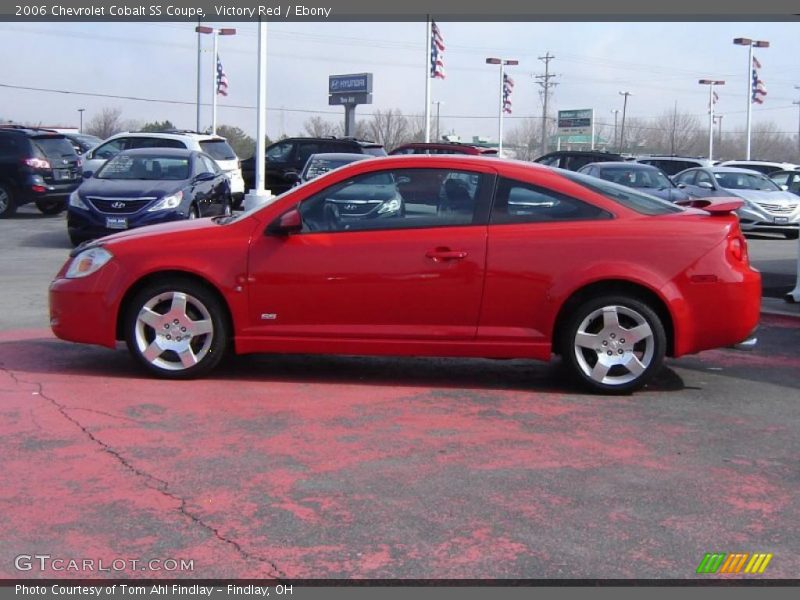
x=88, y=174
x=785, y=187
x=705, y=185
x=292, y=177
x=201, y=177
x=288, y=223
x=681, y=186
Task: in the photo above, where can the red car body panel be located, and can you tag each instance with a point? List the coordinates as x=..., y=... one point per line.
x=384, y=292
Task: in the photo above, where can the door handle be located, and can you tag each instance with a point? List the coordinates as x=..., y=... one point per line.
x=445, y=254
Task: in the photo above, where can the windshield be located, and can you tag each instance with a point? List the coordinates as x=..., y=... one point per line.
x=155, y=168
x=636, y=178
x=641, y=203
x=732, y=180
x=374, y=150
x=218, y=149
x=55, y=146
x=319, y=166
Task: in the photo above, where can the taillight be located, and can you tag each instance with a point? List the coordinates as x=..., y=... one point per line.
x=36, y=163
x=737, y=246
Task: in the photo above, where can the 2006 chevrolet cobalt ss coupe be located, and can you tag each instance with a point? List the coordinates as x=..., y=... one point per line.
x=425, y=256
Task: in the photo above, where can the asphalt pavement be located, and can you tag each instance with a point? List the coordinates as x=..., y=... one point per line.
x=295, y=466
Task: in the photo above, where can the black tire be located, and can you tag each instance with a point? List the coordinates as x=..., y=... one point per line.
x=51, y=207
x=194, y=212
x=168, y=349
x=8, y=205
x=598, y=354
x=791, y=235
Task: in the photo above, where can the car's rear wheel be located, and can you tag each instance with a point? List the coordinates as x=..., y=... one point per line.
x=50, y=207
x=177, y=329
x=614, y=344
x=7, y=205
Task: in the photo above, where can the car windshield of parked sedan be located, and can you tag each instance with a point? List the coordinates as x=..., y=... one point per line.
x=629, y=198
x=745, y=181
x=636, y=178
x=157, y=168
x=320, y=166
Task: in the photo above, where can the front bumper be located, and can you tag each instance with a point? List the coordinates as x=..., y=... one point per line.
x=754, y=217
x=87, y=225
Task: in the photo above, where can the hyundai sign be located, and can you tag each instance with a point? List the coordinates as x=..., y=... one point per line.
x=575, y=122
x=350, y=84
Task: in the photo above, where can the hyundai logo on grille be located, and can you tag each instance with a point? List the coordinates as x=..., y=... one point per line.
x=118, y=204
x=349, y=206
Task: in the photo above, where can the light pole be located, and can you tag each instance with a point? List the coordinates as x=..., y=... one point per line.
x=437, y=103
x=616, y=113
x=502, y=62
x=216, y=33
x=624, y=110
x=797, y=87
x=750, y=45
x=80, y=112
x=711, y=83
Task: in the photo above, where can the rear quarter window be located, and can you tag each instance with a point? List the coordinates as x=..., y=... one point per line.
x=374, y=150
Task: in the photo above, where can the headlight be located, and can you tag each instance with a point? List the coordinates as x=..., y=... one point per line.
x=87, y=262
x=167, y=202
x=390, y=206
x=75, y=201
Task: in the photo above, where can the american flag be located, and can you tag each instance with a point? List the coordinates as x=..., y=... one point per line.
x=437, y=52
x=222, y=79
x=508, y=87
x=714, y=98
x=759, y=90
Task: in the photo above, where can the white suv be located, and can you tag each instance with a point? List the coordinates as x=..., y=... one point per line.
x=213, y=145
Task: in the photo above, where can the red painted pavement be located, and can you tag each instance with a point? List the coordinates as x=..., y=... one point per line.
x=347, y=467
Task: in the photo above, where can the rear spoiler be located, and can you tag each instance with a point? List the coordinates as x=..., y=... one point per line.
x=713, y=206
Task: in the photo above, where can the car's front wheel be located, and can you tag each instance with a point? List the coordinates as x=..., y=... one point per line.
x=177, y=329
x=614, y=344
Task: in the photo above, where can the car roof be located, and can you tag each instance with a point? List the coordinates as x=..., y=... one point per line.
x=754, y=162
x=174, y=152
x=168, y=135
x=628, y=164
x=724, y=169
x=340, y=155
x=332, y=138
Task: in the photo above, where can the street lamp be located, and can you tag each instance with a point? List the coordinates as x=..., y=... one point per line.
x=80, y=112
x=624, y=110
x=201, y=29
x=502, y=62
x=616, y=113
x=711, y=83
x=750, y=45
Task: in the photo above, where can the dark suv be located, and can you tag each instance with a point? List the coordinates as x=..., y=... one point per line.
x=36, y=165
x=286, y=158
x=443, y=148
x=572, y=160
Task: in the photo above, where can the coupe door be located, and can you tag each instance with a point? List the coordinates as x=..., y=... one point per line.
x=368, y=264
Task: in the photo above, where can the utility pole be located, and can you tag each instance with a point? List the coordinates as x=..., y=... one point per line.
x=797, y=87
x=545, y=85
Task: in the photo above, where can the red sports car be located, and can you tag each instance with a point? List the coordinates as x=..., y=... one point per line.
x=424, y=256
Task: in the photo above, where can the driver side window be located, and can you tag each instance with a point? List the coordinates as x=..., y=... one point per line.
x=397, y=199
x=111, y=149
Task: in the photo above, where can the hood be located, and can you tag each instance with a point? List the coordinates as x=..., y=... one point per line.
x=776, y=197
x=172, y=228
x=129, y=188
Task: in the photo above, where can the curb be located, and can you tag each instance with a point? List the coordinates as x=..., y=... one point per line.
x=779, y=307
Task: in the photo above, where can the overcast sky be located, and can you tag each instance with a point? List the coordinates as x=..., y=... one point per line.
x=659, y=63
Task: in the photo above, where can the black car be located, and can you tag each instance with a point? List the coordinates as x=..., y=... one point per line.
x=572, y=160
x=144, y=187
x=286, y=158
x=36, y=165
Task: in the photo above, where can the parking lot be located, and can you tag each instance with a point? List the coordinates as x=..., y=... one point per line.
x=303, y=467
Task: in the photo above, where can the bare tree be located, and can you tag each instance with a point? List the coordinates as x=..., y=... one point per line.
x=390, y=128
x=524, y=139
x=105, y=123
x=318, y=127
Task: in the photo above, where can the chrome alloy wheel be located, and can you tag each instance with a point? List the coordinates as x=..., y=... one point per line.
x=614, y=345
x=173, y=331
